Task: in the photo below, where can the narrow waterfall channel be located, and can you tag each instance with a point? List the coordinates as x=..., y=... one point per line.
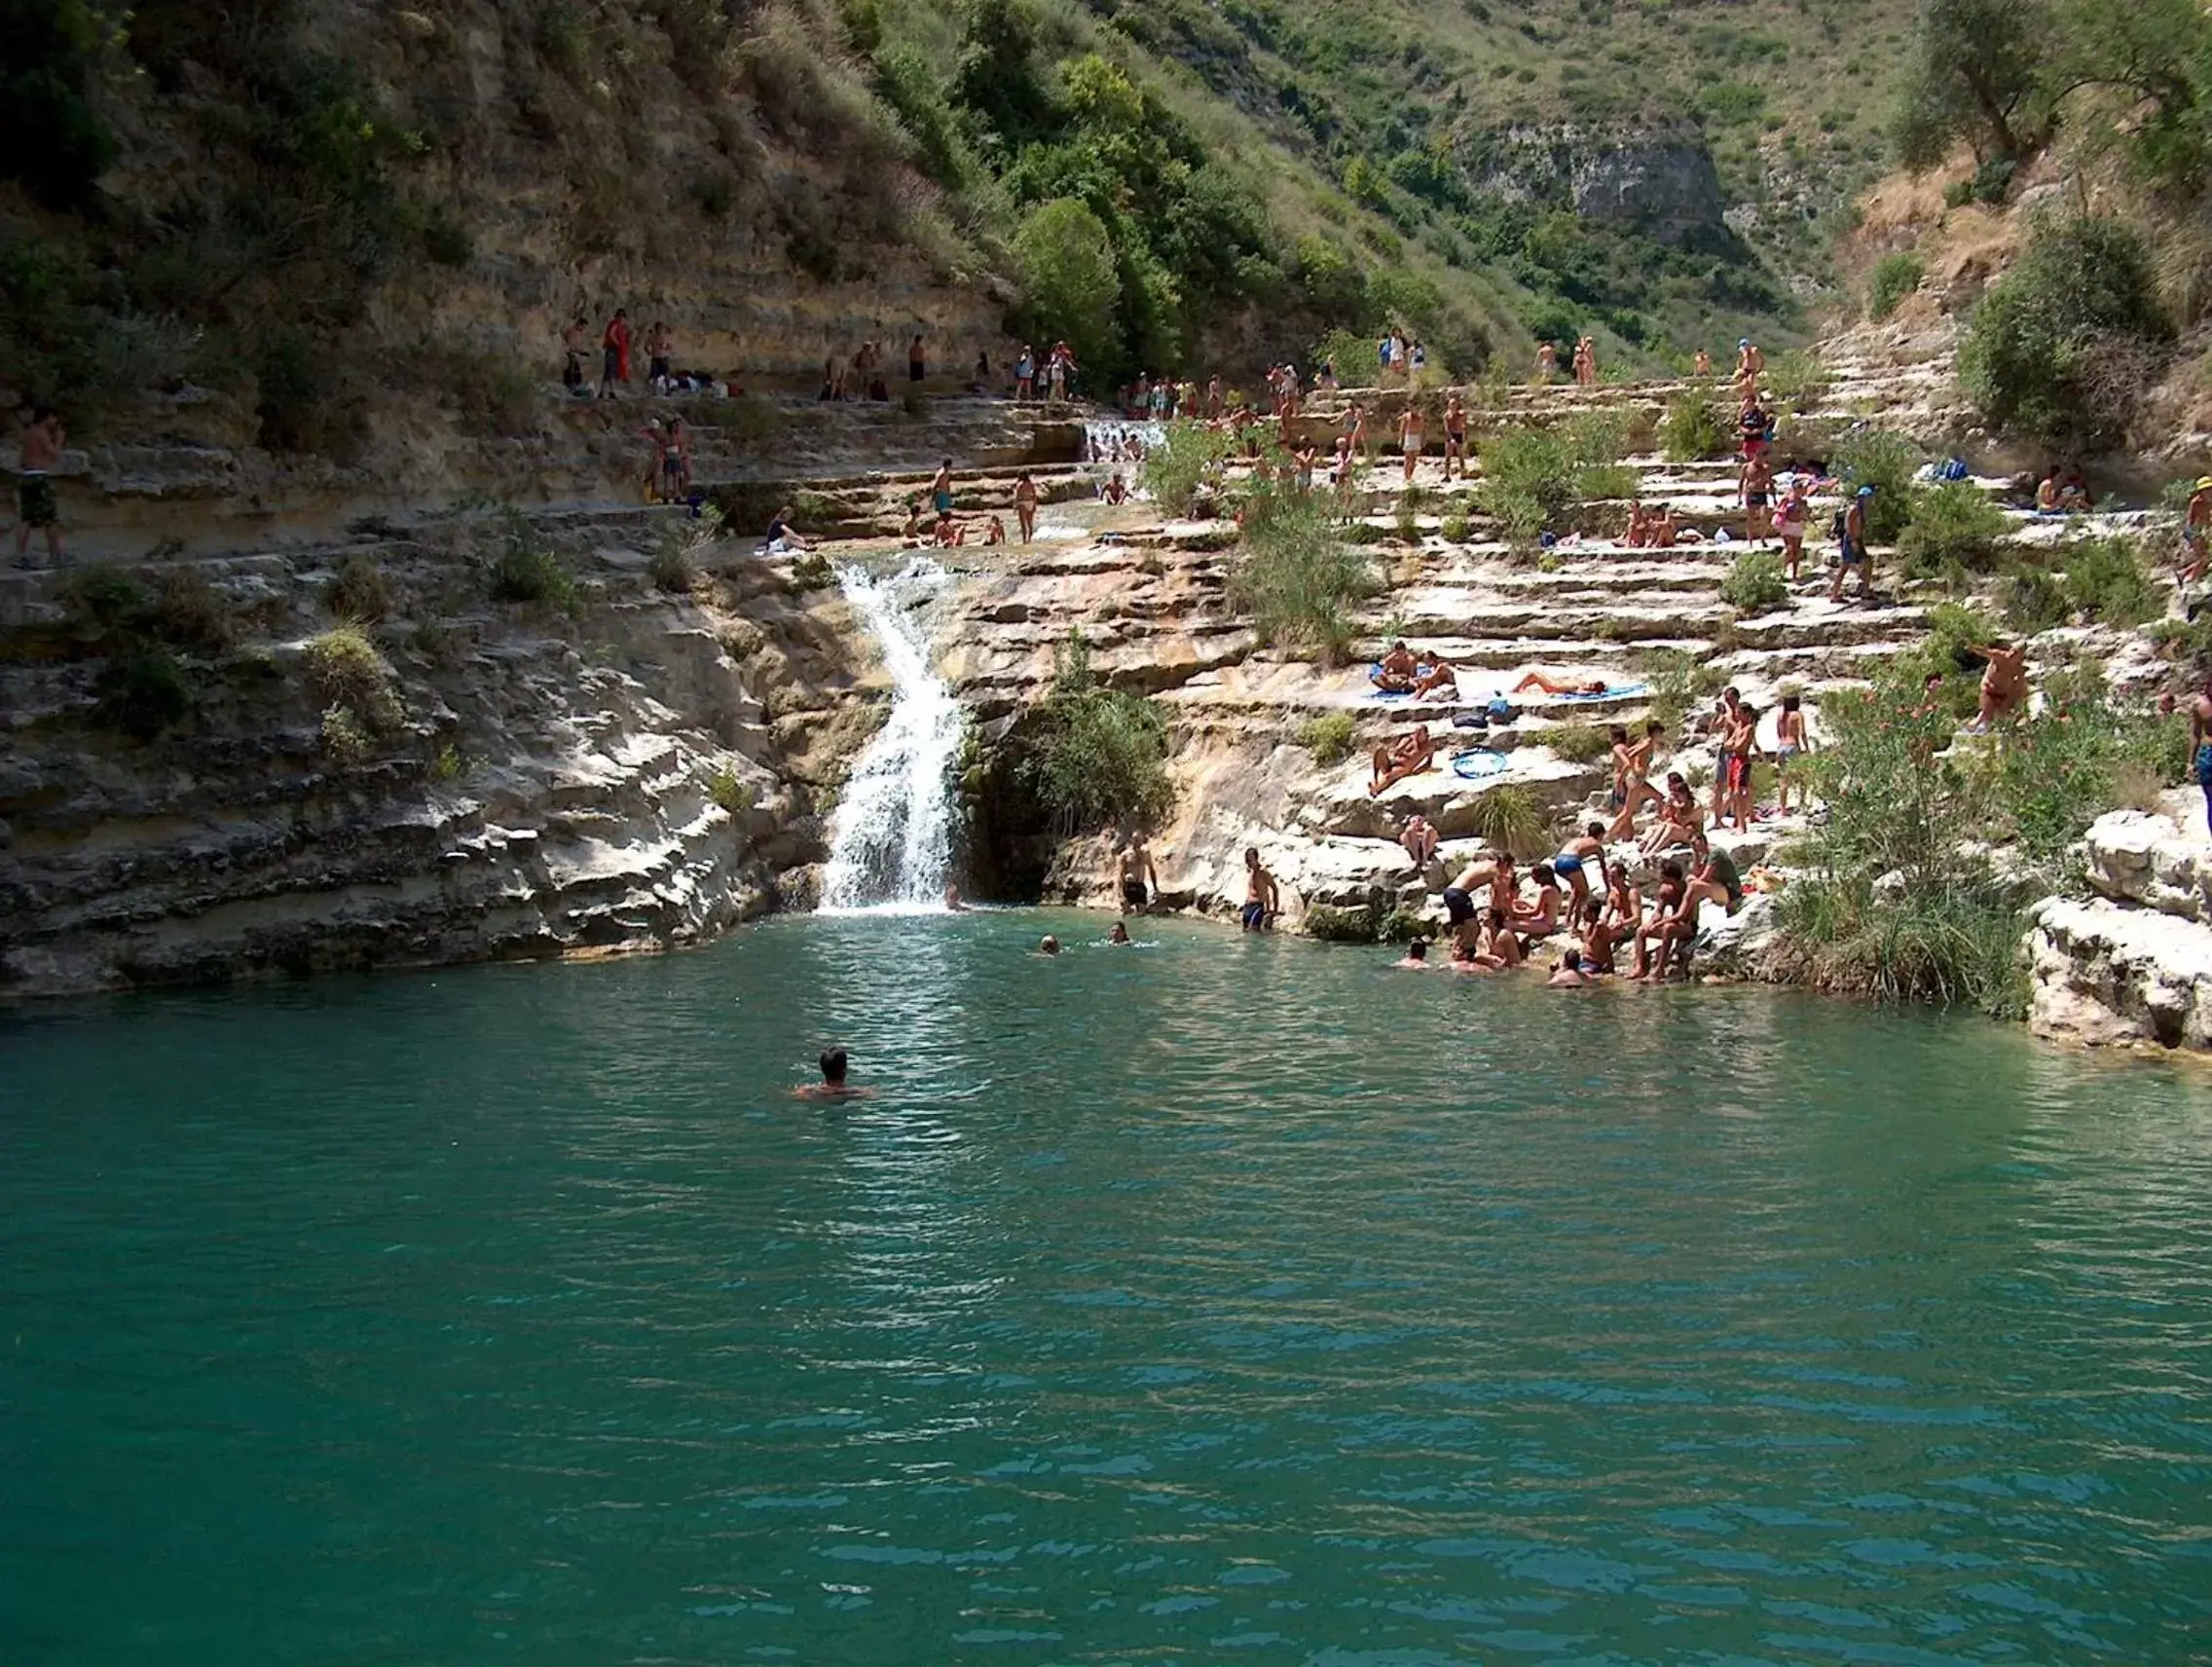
x=891, y=839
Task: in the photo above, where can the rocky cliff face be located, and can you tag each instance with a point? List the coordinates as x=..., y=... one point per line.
x=464, y=778
x=1661, y=180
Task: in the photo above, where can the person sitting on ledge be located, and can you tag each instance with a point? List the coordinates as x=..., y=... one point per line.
x=1638, y=532
x=1552, y=685
x=2074, y=493
x=1541, y=918
x=948, y=532
x=783, y=537
x=1117, y=490
x=1674, y=921
x=1659, y=532
x=1397, y=671
x=1435, y=676
x=1419, y=839
x=1408, y=756
x=1500, y=947
x=995, y=533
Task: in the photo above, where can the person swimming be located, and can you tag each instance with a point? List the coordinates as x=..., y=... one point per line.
x=1120, y=934
x=1415, y=959
x=1049, y=946
x=834, y=1064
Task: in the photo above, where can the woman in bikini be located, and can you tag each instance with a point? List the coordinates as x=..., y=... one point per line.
x=1682, y=819
x=1552, y=685
x=1632, y=784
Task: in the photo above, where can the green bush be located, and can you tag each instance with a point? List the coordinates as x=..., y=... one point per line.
x=2106, y=580
x=1328, y=737
x=1755, y=583
x=1071, y=282
x=1576, y=743
x=1512, y=819
x=526, y=568
x=2034, y=602
x=1680, y=683
x=359, y=591
x=1455, y=527
x=1096, y=757
x=345, y=738
x=812, y=572
x=1895, y=276
x=143, y=691
x=352, y=677
x=51, y=137
x=1887, y=462
x=1955, y=529
x=1188, y=454
x=1798, y=379
x=1694, y=429
x=2062, y=347
x=102, y=598
x=1297, y=577
x=733, y=795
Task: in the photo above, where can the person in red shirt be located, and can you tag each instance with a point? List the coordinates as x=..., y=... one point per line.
x=615, y=353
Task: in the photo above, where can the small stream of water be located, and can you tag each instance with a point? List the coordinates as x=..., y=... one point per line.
x=891, y=839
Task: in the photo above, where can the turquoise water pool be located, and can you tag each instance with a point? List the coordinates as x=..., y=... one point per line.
x=1218, y=1300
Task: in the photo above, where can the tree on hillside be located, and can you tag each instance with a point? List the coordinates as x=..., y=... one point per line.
x=1071, y=283
x=1983, y=71
x=2062, y=345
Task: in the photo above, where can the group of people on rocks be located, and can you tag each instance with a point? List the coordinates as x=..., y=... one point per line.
x=617, y=344
x=945, y=530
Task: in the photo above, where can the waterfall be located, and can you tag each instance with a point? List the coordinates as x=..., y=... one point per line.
x=891, y=839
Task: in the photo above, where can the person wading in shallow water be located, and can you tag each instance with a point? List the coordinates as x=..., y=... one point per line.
x=1136, y=873
x=1262, y=901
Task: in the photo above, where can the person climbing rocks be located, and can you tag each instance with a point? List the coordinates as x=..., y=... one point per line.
x=1852, y=551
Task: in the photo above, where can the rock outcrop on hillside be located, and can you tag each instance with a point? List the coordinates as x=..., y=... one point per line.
x=1660, y=180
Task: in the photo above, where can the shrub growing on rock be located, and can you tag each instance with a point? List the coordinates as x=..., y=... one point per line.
x=359, y=591
x=1328, y=737
x=354, y=679
x=1694, y=429
x=1096, y=755
x=1798, y=379
x=1895, y=276
x=1296, y=576
x=1186, y=456
x=526, y=568
x=142, y=692
x=1954, y=531
x=1512, y=819
x=1755, y=583
x=2107, y=581
x=2062, y=345
x=1887, y=462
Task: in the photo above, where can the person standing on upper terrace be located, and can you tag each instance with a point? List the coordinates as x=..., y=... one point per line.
x=917, y=362
x=615, y=353
x=2201, y=744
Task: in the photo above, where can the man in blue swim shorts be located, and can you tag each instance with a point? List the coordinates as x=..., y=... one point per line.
x=1262, y=901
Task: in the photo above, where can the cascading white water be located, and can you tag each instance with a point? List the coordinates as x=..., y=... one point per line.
x=891, y=839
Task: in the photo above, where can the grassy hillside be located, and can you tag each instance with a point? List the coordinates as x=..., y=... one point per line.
x=298, y=202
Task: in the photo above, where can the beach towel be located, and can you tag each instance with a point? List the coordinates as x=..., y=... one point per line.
x=1616, y=691
x=1476, y=762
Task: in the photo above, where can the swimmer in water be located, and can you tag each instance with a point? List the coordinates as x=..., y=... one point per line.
x=1120, y=934
x=952, y=903
x=1049, y=947
x=832, y=1084
x=1417, y=957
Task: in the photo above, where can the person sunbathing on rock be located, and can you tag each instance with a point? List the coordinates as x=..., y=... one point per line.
x=2004, y=684
x=1408, y=756
x=1553, y=685
x=995, y=532
x=1659, y=532
x=1638, y=532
